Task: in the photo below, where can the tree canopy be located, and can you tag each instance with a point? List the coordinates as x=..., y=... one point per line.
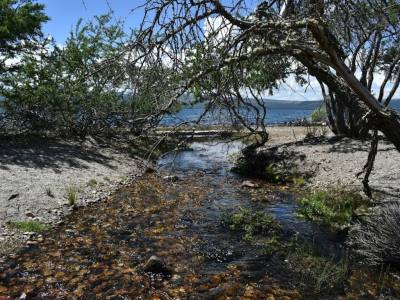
x=229, y=53
x=20, y=25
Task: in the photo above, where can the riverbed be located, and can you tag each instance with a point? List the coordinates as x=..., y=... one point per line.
x=175, y=215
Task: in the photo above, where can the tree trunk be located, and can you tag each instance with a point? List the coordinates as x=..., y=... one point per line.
x=342, y=119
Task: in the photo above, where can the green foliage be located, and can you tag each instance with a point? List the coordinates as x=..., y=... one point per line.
x=335, y=207
x=72, y=195
x=92, y=183
x=280, y=175
x=251, y=223
x=319, y=114
x=76, y=89
x=20, y=23
x=272, y=173
x=316, y=273
x=271, y=246
x=31, y=226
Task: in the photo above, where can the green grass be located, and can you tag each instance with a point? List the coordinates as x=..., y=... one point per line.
x=251, y=223
x=334, y=207
x=31, y=226
x=315, y=273
x=72, y=195
x=92, y=183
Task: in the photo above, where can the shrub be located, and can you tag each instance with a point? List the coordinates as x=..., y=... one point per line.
x=319, y=114
x=378, y=239
x=334, y=207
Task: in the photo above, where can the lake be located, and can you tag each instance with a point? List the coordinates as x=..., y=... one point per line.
x=279, y=112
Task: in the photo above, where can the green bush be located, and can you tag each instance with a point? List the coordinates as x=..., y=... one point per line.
x=334, y=207
x=319, y=114
x=80, y=88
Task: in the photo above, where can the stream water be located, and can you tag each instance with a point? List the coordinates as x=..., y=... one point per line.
x=101, y=251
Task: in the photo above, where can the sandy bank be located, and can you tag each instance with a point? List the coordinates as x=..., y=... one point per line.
x=338, y=161
x=36, y=175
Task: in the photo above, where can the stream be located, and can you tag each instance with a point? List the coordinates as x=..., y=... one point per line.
x=102, y=251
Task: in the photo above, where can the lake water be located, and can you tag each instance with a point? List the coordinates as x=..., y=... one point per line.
x=279, y=112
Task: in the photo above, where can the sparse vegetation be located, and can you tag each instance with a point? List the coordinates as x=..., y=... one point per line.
x=92, y=183
x=273, y=173
x=316, y=274
x=72, y=195
x=319, y=114
x=49, y=192
x=377, y=241
x=251, y=223
x=334, y=207
x=31, y=226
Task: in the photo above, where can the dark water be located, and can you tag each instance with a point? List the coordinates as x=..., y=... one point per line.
x=279, y=112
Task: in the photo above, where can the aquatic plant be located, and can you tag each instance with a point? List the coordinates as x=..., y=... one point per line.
x=315, y=273
x=377, y=240
x=271, y=246
x=31, y=226
x=251, y=223
x=334, y=207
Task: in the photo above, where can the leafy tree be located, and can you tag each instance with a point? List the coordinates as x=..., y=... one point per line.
x=343, y=44
x=20, y=25
x=68, y=89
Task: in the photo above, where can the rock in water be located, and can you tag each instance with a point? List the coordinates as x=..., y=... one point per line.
x=172, y=178
x=157, y=266
x=250, y=184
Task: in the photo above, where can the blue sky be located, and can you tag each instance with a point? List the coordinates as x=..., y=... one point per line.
x=65, y=14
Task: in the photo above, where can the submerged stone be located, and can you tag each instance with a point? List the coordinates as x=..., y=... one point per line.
x=157, y=266
x=250, y=184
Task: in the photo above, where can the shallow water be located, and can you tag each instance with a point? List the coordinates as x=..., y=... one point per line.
x=101, y=250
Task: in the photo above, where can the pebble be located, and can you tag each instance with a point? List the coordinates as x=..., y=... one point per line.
x=31, y=243
x=250, y=184
x=172, y=178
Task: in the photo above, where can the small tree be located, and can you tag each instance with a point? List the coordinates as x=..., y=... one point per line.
x=67, y=89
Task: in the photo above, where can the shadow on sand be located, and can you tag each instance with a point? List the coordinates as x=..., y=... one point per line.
x=48, y=153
